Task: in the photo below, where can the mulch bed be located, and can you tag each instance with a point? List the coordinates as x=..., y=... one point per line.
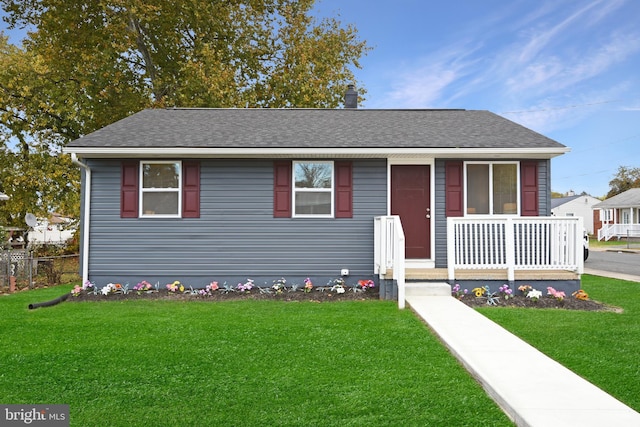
x=254, y=294
x=568, y=303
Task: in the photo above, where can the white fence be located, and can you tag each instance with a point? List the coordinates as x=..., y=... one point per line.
x=523, y=243
x=389, y=251
x=617, y=231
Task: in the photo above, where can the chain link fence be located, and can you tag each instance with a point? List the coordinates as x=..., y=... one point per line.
x=21, y=269
x=16, y=268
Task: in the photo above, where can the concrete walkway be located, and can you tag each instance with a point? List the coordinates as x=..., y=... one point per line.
x=533, y=389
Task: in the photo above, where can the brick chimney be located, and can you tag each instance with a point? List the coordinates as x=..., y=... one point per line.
x=351, y=97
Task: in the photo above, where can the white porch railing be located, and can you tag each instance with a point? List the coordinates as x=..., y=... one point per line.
x=523, y=243
x=389, y=251
x=609, y=231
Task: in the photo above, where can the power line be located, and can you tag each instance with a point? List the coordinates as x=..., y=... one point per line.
x=605, y=144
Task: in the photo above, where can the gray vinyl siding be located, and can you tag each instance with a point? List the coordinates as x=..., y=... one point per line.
x=544, y=185
x=440, y=234
x=544, y=204
x=236, y=236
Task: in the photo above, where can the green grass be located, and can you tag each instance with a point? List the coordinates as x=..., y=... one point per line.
x=614, y=243
x=243, y=363
x=603, y=347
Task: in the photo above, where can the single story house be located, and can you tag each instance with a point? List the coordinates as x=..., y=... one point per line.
x=575, y=205
x=55, y=230
x=201, y=195
x=618, y=216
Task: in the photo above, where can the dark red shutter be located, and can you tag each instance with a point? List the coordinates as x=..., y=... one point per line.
x=191, y=189
x=344, y=190
x=282, y=189
x=454, y=189
x=129, y=190
x=529, y=188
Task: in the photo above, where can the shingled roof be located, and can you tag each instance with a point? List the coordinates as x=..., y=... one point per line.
x=244, y=129
x=627, y=199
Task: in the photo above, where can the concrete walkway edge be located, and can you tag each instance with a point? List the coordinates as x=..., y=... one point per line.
x=532, y=388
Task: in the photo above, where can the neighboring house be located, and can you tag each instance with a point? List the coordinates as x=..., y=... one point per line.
x=576, y=206
x=198, y=195
x=55, y=230
x=618, y=216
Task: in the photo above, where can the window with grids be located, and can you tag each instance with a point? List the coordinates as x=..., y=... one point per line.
x=491, y=188
x=160, y=189
x=313, y=189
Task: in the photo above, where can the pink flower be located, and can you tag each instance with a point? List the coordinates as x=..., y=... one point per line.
x=559, y=295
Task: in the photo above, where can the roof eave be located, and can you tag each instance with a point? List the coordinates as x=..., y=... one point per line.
x=173, y=152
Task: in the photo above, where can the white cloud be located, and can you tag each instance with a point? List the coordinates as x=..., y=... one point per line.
x=421, y=88
x=541, y=39
x=566, y=69
x=426, y=85
x=557, y=57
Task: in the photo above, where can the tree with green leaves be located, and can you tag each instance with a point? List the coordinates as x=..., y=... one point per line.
x=624, y=179
x=86, y=64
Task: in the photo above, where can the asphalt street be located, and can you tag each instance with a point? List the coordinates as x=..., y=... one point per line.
x=616, y=263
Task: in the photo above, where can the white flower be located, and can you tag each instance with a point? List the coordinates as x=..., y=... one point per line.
x=340, y=290
x=534, y=293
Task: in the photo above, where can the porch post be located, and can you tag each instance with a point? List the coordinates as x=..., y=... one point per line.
x=579, y=245
x=510, y=250
x=451, y=254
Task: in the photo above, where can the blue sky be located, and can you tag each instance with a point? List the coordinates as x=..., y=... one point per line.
x=569, y=69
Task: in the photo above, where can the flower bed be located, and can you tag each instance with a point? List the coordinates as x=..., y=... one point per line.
x=526, y=296
x=335, y=290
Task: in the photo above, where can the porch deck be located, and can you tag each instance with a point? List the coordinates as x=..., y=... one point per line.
x=441, y=274
x=619, y=231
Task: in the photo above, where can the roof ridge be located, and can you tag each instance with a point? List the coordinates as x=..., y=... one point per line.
x=309, y=109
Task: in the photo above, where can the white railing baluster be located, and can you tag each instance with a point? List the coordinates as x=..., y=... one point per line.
x=539, y=243
x=523, y=243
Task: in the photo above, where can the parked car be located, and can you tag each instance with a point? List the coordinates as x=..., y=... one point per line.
x=586, y=244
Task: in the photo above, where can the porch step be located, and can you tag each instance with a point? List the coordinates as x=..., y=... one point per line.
x=427, y=289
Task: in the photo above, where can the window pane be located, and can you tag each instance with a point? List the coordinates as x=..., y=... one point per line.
x=160, y=203
x=313, y=175
x=160, y=175
x=505, y=192
x=477, y=189
x=316, y=203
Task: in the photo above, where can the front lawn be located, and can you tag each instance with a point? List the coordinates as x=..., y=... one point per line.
x=241, y=363
x=603, y=347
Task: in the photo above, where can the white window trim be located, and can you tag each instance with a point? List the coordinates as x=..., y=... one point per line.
x=158, y=190
x=491, y=163
x=312, y=190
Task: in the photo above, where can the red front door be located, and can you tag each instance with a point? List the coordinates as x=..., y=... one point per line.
x=410, y=199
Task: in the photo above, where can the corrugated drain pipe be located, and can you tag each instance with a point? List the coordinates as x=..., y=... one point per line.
x=50, y=303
